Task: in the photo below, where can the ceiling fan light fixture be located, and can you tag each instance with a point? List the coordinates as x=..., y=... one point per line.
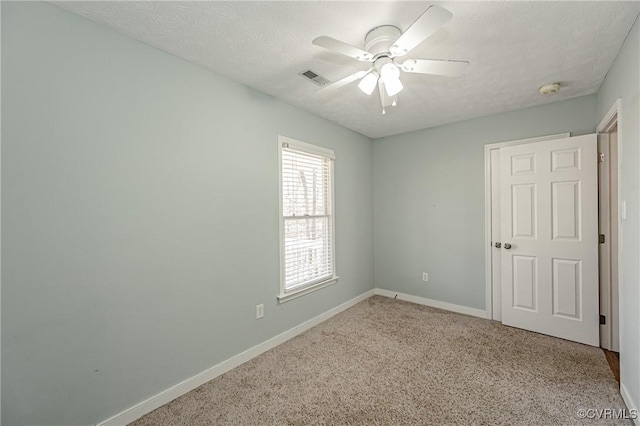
x=383, y=44
x=390, y=75
x=368, y=83
x=393, y=87
x=389, y=71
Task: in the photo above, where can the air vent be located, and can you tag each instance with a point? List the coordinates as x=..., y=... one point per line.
x=314, y=77
x=310, y=74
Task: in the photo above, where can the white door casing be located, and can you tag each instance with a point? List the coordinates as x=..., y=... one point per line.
x=496, y=259
x=604, y=248
x=609, y=216
x=549, y=217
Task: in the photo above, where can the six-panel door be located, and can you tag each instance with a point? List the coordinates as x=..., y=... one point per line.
x=549, y=212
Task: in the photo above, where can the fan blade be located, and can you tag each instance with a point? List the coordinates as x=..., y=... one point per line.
x=344, y=48
x=343, y=82
x=432, y=19
x=433, y=66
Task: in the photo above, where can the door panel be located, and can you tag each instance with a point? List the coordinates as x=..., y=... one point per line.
x=524, y=211
x=525, y=283
x=565, y=210
x=566, y=159
x=549, y=219
x=523, y=164
x=567, y=286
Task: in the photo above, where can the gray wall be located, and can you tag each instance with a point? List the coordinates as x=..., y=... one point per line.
x=140, y=218
x=622, y=81
x=429, y=198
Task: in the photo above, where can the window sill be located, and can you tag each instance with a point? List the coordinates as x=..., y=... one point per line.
x=297, y=293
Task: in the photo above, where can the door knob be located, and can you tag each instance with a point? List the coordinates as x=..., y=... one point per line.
x=507, y=246
x=497, y=245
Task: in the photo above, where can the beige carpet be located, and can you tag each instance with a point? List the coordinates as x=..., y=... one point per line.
x=387, y=362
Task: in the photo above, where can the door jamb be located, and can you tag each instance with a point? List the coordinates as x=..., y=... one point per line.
x=613, y=116
x=487, y=209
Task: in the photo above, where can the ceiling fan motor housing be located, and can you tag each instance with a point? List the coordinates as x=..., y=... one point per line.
x=380, y=39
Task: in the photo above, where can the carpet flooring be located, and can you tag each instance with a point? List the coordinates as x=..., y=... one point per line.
x=386, y=361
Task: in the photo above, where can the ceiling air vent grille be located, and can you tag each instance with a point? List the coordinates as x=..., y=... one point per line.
x=314, y=77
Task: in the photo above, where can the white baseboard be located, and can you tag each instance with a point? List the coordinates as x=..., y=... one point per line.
x=180, y=389
x=631, y=404
x=433, y=303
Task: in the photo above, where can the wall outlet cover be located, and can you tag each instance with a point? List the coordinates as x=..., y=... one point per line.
x=259, y=311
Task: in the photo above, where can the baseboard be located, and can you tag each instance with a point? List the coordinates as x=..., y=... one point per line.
x=631, y=404
x=433, y=303
x=180, y=389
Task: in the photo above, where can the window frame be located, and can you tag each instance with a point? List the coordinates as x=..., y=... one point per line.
x=285, y=142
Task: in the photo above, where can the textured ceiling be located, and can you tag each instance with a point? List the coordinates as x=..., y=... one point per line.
x=513, y=48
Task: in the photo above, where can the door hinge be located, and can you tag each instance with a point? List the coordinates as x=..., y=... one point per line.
x=601, y=238
x=601, y=157
x=603, y=319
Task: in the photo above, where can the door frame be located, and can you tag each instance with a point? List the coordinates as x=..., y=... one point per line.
x=488, y=252
x=612, y=327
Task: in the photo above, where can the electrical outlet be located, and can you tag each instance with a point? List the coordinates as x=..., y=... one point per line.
x=425, y=276
x=259, y=311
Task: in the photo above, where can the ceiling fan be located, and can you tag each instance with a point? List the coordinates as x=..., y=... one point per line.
x=383, y=46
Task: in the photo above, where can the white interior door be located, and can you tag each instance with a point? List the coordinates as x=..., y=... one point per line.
x=549, y=228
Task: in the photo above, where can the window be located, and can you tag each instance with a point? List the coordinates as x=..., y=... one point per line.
x=306, y=218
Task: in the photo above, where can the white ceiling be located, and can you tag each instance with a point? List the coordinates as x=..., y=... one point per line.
x=513, y=48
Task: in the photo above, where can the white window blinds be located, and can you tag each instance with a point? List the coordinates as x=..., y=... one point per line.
x=307, y=216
